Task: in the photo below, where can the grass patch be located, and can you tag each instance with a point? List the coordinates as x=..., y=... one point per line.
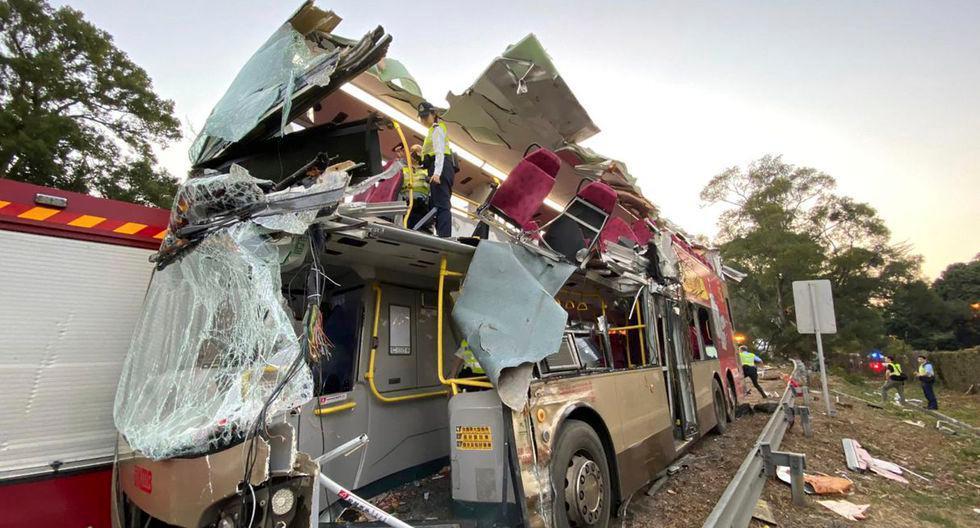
x=935, y=518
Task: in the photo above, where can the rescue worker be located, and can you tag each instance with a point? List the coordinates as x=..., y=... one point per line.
x=414, y=181
x=467, y=360
x=927, y=376
x=894, y=379
x=749, y=370
x=439, y=161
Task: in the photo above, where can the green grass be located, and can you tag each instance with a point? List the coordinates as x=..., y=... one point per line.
x=935, y=518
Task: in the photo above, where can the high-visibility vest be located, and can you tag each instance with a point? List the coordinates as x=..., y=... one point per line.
x=427, y=148
x=469, y=359
x=747, y=358
x=417, y=182
x=896, y=369
x=923, y=373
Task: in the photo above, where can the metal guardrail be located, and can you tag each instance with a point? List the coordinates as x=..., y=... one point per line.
x=734, y=509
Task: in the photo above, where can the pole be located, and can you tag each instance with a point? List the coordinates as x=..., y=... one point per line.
x=360, y=504
x=816, y=332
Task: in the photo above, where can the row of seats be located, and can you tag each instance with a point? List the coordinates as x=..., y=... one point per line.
x=586, y=220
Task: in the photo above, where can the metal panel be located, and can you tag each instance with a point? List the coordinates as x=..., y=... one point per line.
x=67, y=313
x=734, y=509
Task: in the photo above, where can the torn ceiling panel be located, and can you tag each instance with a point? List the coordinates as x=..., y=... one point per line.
x=508, y=314
x=298, y=66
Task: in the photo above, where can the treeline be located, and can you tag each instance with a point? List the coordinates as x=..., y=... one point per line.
x=783, y=223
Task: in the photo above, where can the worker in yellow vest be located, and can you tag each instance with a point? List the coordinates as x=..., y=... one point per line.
x=927, y=376
x=438, y=159
x=749, y=369
x=894, y=379
x=467, y=360
x=414, y=181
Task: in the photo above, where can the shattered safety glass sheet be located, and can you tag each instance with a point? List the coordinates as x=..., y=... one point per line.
x=508, y=314
x=268, y=79
x=213, y=342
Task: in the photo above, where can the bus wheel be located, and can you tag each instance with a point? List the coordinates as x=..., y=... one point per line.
x=720, y=415
x=580, y=475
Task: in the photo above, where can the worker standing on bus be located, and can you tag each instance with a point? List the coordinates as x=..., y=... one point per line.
x=749, y=370
x=438, y=159
x=415, y=182
x=894, y=379
x=927, y=376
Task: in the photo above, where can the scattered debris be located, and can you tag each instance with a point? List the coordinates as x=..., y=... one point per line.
x=743, y=409
x=828, y=485
x=858, y=459
x=917, y=423
x=971, y=390
x=655, y=487
x=846, y=508
x=766, y=408
x=763, y=512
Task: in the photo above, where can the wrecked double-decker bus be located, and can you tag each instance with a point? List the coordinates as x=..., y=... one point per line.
x=299, y=340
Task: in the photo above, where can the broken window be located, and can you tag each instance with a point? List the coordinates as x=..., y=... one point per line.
x=344, y=314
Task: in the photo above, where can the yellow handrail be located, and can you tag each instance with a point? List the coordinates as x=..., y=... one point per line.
x=369, y=375
x=638, y=326
x=410, y=174
x=321, y=411
x=452, y=382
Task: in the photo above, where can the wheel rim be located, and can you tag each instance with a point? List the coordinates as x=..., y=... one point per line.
x=583, y=491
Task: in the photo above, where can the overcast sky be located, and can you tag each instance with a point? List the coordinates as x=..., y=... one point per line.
x=884, y=96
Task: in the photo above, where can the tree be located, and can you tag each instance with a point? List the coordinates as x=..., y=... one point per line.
x=920, y=318
x=959, y=285
x=784, y=223
x=75, y=112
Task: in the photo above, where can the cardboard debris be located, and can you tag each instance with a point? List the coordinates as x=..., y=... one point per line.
x=827, y=485
x=763, y=512
x=917, y=423
x=846, y=508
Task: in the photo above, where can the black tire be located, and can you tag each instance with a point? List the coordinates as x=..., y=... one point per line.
x=721, y=416
x=733, y=394
x=585, y=501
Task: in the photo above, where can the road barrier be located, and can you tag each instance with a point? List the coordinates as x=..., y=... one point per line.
x=734, y=509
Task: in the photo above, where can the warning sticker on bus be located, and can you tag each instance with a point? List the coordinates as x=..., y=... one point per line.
x=474, y=438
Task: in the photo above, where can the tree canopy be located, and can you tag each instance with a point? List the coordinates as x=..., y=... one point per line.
x=784, y=223
x=75, y=112
x=943, y=316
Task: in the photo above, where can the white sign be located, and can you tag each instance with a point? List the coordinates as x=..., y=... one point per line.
x=814, y=307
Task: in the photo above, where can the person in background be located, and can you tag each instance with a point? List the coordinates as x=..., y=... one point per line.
x=414, y=181
x=927, y=376
x=749, y=369
x=894, y=379
x=438, y=159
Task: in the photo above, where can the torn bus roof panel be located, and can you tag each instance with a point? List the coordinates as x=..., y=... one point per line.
x=508, y=315
x=300, y=64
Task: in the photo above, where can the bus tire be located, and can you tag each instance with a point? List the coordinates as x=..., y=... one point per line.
x=733, y=394
x=721, y=417
x=581, y=479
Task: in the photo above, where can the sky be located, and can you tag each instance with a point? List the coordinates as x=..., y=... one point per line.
x=884, y=96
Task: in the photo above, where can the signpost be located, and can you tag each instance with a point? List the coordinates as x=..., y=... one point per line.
x=815, y=315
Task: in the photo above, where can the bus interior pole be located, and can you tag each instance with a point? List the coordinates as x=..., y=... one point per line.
x=823, y=368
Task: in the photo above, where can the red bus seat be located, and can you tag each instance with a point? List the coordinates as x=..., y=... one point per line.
x=520, y=196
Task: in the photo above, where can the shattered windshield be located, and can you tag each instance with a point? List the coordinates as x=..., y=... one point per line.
x=215, y=348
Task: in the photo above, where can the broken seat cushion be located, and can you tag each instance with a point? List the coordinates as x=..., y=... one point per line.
x=385, y=190
x=520, y=196
x=600, y=195
x=615, y=230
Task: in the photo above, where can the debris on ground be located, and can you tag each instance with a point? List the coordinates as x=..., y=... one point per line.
x=765, y=407
x=743, y=409
x=763, y=512
x=917, y=423
x=846, y=508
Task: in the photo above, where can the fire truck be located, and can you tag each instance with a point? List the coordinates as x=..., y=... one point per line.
x=73, y=272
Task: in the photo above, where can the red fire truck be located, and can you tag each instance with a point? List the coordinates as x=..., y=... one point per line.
x=73, y=272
